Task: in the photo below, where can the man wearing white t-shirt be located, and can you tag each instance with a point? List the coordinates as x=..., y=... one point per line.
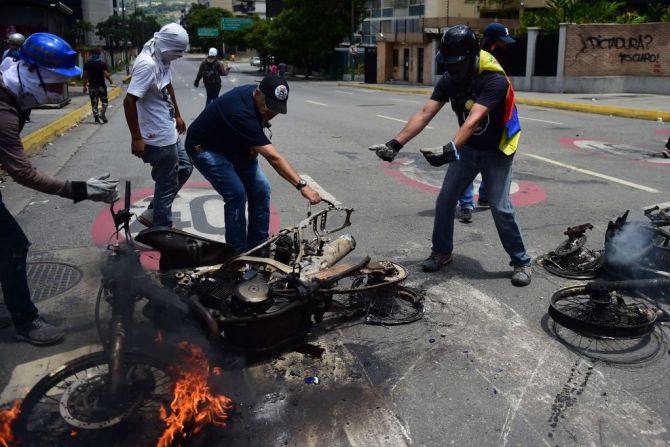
x=155, y=123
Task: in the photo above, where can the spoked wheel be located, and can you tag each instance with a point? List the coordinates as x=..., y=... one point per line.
x=391, y=305
x=613, y=314
x=579, y=264
x=376, y=274
x=70, y=407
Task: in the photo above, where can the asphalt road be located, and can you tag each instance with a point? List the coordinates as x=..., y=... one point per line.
x=482, y=368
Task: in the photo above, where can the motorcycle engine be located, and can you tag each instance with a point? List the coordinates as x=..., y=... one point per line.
x=251, y=296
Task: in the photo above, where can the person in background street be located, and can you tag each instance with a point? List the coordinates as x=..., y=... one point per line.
x=95, y=73
x=282, y=69
x=15, y=41
x=45, y=62
x=155, y=123
x=495, y=41
x=666, y=151
x=274, y=69
x=483, y=99
x=210, y=71
x=224, y=142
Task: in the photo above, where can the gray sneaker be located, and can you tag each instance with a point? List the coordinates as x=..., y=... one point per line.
x=39, y=333
x=465, y=215
x=521, y=275
x=435, y=261
x=147, y=218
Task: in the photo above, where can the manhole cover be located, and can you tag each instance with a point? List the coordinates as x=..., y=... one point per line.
x=48, y=279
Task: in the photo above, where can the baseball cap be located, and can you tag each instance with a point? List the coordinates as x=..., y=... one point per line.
x=212, y=52
x=498, y=31
x=275, y=90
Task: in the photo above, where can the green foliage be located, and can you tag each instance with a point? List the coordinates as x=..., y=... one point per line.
x=307, y=31
x=573, y=11
x=142, y=27
x=136, y=28
x=200, y=16
x=256, y=37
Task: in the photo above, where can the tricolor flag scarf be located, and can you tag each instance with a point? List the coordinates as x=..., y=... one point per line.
x=512, y=131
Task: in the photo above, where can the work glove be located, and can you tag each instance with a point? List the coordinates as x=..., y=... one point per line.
x=441, y=155
x=388, y=151
x=195, y=84
x=98, y=189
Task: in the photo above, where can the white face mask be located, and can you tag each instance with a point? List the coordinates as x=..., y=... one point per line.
x=170, y=56
x=28, y=85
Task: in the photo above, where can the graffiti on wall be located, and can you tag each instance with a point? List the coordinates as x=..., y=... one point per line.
x=618, y=50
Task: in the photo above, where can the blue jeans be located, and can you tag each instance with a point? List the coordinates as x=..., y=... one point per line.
x=170, y=169
x=496, y=170
x=212, y=92
x=13, y=276
x=467, y=200
x=238, y=183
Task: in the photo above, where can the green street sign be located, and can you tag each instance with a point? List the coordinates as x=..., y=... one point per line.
x=208, y=32
x=235, y=24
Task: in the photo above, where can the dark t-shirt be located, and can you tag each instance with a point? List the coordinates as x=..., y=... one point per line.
x=96, y=72
x=230, y=124
x=489, y=89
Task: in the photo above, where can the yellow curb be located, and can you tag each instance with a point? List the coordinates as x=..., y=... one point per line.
x=652, y=115
x=36, y=140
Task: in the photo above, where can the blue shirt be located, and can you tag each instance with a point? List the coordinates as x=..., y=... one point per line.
x=490, y=90
x=230, y=124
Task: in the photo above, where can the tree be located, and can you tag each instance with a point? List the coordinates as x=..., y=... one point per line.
x=77, y=32
x=573, y=11
x=141, y=27
x=113, y=31
x=201, y=16
x=306, y=31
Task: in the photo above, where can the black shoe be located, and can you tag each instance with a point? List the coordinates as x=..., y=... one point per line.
x=5, y=318
x=483, y=203
x=435, y=261
x=97, y=120
x=39, y=333
x=465, y=215
x=521, y=275
x=103, y=118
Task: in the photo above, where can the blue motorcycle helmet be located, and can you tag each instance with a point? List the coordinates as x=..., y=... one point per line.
x=50, y=52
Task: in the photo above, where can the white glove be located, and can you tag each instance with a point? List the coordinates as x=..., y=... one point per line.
x=100, y=189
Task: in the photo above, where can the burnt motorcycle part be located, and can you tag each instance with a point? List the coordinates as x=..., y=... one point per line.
x=213, y=331
x=180, y=249
x=251, y=296
x=391, y=305
x=374, y=275
x=601, y=313
x=658, y=216
x=71, y=400
x=571, y=259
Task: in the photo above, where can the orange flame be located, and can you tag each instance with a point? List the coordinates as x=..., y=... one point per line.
x=6, y=419
x=193, y=405
x=159, y=337
x=73, y=433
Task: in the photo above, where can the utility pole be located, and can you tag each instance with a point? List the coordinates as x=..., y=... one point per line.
x=351, y=41
x=125, y=39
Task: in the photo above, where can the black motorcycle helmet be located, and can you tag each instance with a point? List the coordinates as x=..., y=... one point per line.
x=459, y=51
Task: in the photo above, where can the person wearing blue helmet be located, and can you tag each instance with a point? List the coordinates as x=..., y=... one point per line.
x=45, y=62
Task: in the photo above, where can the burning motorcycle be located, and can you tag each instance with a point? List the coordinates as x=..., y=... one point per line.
x=256, y=301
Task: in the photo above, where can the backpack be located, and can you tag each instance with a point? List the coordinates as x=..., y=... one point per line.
x=210, y=73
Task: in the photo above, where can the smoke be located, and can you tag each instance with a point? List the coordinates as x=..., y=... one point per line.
x=628, y=245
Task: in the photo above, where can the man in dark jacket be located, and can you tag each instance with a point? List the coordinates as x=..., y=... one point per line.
x=45, y=62
x=210, y=71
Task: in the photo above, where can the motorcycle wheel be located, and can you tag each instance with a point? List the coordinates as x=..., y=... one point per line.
x=67, y=407
x=388, y=306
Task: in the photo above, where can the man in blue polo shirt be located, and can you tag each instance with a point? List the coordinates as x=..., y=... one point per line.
x=224, y=142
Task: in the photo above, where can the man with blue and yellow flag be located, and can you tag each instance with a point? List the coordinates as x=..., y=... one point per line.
x=483, y=99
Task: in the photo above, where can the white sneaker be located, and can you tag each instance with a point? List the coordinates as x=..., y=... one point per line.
x=666, y=153
x=146, y=218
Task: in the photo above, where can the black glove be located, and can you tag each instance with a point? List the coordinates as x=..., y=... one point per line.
x=436, y=157
x=388, y=151
x=195, y=84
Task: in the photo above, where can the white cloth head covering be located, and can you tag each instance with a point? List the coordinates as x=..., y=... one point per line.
x=26, y=85
x=212, y=52
x=167, y=45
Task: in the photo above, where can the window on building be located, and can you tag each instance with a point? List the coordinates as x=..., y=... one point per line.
x=396, y=58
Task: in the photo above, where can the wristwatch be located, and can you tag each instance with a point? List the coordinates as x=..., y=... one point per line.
x=301, y=184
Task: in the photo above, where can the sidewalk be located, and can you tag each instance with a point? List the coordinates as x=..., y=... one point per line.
x=47, y=124
x=627, y=105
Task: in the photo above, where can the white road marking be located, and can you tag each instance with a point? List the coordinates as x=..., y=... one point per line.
x=405, y=100
x=26, y=375
x=542, y=121
x=201, y=95
x=592, y=173
x=342, y=91
x=397, y=119
x=316, y=103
